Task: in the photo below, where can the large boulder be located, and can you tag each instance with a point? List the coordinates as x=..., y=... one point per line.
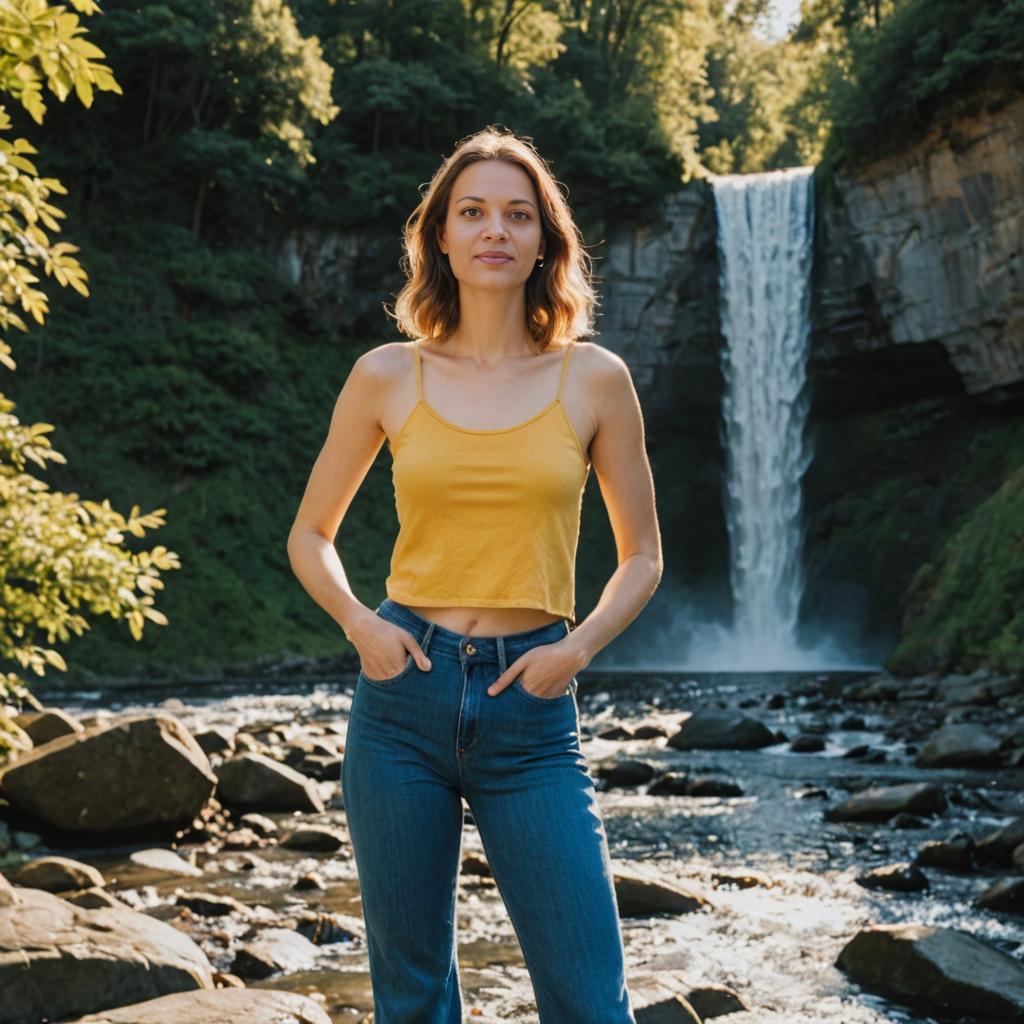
x=960, y=746
x=880, y=803
x=48, y=724
x=726, y=729
x=142, y=770
x=222, y=1006
x=257, y=782
x=59, y=960
x=942, y=969
x=58, y=874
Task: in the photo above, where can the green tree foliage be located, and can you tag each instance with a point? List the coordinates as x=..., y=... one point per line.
x=886, y=68
x=757, y=89
x=962, y=610
x=57, y=554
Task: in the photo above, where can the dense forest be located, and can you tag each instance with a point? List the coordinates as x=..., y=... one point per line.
x=194, y=379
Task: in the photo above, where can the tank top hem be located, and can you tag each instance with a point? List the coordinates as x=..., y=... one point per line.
x=477, y=602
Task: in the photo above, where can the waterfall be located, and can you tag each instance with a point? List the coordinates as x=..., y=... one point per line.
x=765, y=232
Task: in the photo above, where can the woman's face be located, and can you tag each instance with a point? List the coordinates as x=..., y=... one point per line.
x=493, y=208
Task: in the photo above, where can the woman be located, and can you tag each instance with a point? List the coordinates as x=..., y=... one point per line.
x=493, y=415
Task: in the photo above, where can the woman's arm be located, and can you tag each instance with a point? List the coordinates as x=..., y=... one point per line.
x=619, y=458
x=353, y=441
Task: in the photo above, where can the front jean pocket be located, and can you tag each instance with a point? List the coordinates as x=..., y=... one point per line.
x=410, y=661
x=517, y=685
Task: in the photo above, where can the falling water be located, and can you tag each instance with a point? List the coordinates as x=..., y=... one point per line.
x=765, y=229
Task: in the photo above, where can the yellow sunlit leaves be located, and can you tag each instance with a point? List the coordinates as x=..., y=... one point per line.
x=58, y=553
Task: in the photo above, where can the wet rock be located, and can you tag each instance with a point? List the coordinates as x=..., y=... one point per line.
x=880, y=803
x=474, y=865
x=58, y=874
x=1017, y=859
x=960, y=746
x=1005, y=896
x=951, y=684
x=858, y=751
x=673, y=1010
x=649, y=732
x=904, y=820
x=812, y=793
x=996, y=848
x=806, y=743
x=273, y=950
x=144, y=770
x=742, y=879
x=721, y=730
x=323, y=929
x=216, y=740
x=943, y=969
x=310, y=880
x=152, y=865
x=626, y=772
x=711, y=1001
x=208, y=904
x=322, y=767
x=299, y=750
x=955, y=853
x=638, y=895
x=257, y=782
x=977, y=693
x=902, y=877
x=92, y=898
x=318, y=838
x=227, y=1005
x=48, y=724
x=707, y=785
x=259, y=823
x=852, y=723
x=242, y=839
x=58, y=960
x=670, y=784
x=616, y=732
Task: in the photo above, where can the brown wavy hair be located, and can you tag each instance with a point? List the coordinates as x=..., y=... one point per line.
x=560, y=297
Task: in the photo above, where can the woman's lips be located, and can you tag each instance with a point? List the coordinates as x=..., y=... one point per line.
x=495, y=259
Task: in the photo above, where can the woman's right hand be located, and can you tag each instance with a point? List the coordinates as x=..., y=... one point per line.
x=383, y=647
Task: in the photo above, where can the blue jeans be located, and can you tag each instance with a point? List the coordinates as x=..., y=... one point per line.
x=417, y=743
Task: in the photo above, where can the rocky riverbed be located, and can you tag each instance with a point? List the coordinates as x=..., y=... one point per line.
x=835, y=849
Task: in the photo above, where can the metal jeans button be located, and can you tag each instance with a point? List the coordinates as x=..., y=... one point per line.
x=470, y=649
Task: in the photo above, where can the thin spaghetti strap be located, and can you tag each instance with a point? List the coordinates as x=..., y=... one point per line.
x=565, y=366
x=419, y=371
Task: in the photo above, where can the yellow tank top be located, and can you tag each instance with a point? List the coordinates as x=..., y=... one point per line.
x=487, y=518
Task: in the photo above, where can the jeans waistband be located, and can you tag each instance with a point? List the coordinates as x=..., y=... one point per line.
x=501, y=649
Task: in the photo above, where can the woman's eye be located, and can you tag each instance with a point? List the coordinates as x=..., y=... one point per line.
x=525, y=215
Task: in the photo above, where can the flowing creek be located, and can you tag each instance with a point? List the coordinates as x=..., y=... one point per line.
x=778, y=878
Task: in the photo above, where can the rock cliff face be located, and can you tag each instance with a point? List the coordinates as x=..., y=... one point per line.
x=927, y=247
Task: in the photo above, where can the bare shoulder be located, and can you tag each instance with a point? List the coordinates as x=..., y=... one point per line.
x=604, y=371
x=386, y=363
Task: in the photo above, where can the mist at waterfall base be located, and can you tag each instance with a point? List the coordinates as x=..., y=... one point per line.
x=765, y=254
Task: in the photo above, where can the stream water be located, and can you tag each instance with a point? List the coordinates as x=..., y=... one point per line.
x=779, y=879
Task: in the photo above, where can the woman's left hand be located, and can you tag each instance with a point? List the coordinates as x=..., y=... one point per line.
x=545, y=671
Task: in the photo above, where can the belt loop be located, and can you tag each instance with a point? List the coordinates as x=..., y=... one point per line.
x=425, y=642
x=502, y=664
